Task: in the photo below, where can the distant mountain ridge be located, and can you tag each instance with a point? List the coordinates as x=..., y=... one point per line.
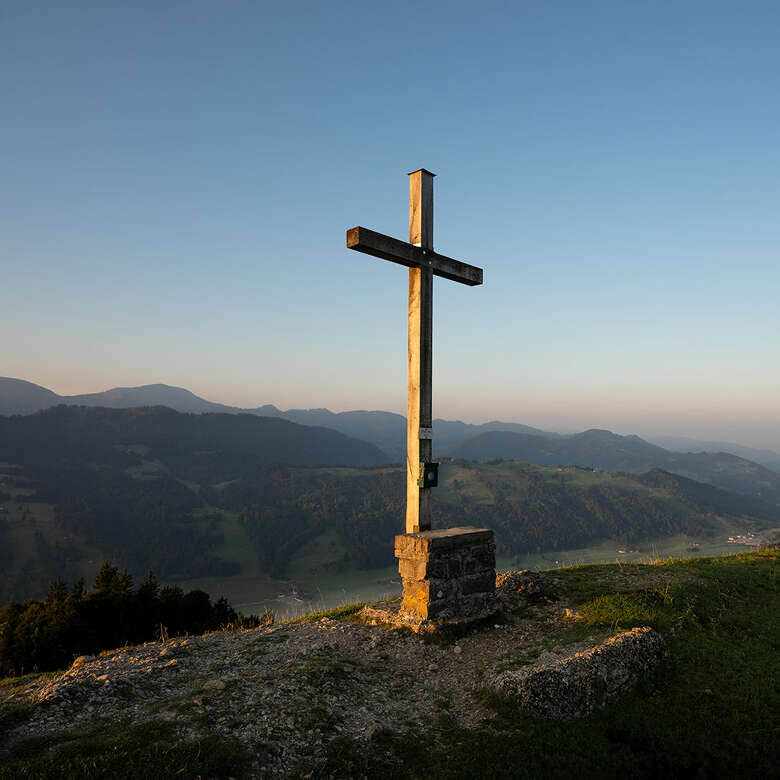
x=452, y=438
x=236, y=443
x=385, y=430
x=596, y=448
x=17, y=396
x=608, y=451
x=767, y=458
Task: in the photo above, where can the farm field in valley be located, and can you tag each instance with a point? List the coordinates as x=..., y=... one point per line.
x=311, y=586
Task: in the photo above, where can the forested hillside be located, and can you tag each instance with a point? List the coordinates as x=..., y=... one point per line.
x=608, y=451
x=209, y=444
x=81, y=485
x=195, y=496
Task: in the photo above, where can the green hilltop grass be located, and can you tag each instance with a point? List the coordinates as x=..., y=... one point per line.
x=146, y=750
x=710, y=712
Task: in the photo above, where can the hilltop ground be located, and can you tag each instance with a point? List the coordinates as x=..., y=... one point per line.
x=332, y=696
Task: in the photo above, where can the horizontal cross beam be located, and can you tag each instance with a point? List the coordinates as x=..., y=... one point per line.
x=379, y=245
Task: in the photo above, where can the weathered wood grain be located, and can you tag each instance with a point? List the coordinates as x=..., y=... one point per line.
x=419, y=410
x=420, y=367
x=379, y=245
x=423, y=264
x=421, y=208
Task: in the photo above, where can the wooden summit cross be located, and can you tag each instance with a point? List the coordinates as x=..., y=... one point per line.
x=423, y=264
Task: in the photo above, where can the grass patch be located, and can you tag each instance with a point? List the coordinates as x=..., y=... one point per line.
x=14, y=711
x=589, y=581
x=325, y=550
x=388, y=756
x=626, y=610
x=9, y=685
x=135, y=752
x=258, y=646
x=578, y=632
x=337, y=613
x=318, y=670
x=13, y=714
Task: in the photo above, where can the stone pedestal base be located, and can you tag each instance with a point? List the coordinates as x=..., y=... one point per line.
x=449, y=575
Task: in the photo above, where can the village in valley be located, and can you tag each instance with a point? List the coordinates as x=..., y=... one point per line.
x=749, y=539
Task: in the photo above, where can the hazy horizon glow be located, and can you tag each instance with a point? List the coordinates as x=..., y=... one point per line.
x=664, y=417
x=178, y=179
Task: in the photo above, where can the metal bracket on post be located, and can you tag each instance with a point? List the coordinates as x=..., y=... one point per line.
x=429, y=475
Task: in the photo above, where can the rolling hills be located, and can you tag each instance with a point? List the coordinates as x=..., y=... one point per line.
x=81, y=484
x=452, y=438
x=18, y=396
x=766, y=458
x=220, y=444
x=197, y=495
x=385, y=430
x=608, y=451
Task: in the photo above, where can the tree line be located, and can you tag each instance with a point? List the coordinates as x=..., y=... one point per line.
x=49, y=634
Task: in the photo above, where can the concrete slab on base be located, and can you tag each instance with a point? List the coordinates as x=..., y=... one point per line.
x=442, y=538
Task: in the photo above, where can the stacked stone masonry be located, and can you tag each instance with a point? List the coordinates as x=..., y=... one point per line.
x=448, y=575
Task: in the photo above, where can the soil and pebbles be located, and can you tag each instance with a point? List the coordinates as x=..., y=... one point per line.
x=286, y=690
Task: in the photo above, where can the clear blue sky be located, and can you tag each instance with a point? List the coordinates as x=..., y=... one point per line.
x=177, y=178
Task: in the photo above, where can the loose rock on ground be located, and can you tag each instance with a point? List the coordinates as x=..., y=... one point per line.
x=286, y=691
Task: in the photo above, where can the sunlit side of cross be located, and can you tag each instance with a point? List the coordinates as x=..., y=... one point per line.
x=423, y=264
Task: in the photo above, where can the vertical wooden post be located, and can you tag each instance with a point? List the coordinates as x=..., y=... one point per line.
x=419, y=446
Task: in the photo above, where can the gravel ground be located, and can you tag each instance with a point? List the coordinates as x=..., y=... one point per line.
x=285, y=691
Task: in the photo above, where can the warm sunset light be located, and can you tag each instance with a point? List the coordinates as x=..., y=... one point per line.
x=389, y=390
